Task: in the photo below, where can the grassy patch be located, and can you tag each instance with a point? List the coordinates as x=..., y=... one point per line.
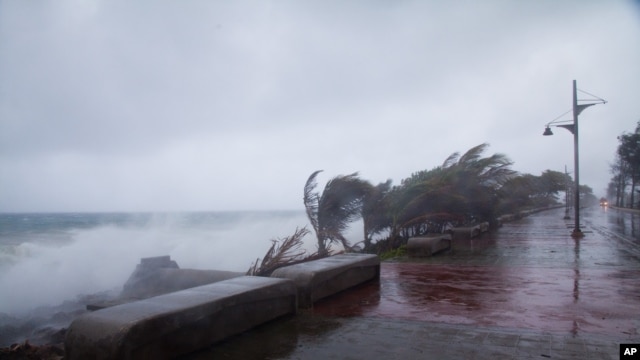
x=397, y=252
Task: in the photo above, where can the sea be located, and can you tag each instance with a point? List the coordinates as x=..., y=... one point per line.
x=49, y=259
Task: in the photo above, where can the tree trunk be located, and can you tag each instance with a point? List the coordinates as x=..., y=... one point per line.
x=620, y=191
x=632, y=202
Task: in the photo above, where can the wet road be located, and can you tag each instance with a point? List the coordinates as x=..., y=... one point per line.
x=527, y=283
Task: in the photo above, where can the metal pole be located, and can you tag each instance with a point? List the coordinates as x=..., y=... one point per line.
x=576, y=165
x=566, y=194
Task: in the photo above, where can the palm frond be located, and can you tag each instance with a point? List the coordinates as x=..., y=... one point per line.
x=342, y=199
x=283, y=252
x=312, y=199
x=451, y=160
x=472, y=155
x=375, y=207
x=340, y=203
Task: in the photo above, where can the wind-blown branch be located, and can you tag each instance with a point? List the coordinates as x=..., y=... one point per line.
x=283, y=252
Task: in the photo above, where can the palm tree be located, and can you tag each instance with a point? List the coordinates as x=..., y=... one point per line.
x=479, y=180
x=463, y=189
x=375, y=215
x=428, y=202
x=629, y=153
x=331, y=212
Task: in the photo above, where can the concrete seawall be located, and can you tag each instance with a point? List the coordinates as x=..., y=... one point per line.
x=188, y=320
x=170, y=325
x=324, y=277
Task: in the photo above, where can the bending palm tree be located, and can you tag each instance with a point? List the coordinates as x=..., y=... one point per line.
x=375, y=216
x=331, y=212
x=464, y=187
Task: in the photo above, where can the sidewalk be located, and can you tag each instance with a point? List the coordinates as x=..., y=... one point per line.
x=528, y=290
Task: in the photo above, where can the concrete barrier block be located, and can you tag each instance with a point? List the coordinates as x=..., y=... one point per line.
x=466, y=233
x=424, y=246
x=506, y=218
x=324, y=277
x=166, y=326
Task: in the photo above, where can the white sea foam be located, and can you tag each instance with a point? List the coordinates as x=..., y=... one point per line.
x=102, y=258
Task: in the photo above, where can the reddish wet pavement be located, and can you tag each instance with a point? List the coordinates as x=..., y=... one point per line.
x=556, y=300
x=521, y=276
x=526, y=289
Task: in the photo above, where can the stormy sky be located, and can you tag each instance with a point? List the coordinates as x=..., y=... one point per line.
x=230, y=105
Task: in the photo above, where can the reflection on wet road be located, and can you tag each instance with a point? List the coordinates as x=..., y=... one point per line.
x=529, y=274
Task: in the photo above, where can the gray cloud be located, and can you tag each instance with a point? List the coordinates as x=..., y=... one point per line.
x=112, y=105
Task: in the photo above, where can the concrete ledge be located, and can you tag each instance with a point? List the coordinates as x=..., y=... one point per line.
x=170, y=325
x=466, y=233
x=424, y=246
x=324, y=277
x=507, y=217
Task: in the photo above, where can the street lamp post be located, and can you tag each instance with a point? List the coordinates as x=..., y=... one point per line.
x=566, y=194
x=573, y=128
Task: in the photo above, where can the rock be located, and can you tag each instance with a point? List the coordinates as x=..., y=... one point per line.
x=157, y=276
x=27, y=351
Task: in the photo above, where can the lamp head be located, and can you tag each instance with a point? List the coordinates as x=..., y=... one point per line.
x=547, y=131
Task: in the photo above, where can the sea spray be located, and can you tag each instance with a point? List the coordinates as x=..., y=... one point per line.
x=97, y=252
